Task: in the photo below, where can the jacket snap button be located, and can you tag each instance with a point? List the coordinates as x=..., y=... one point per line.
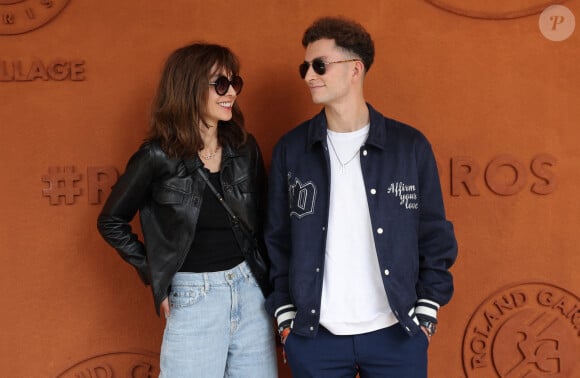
x=379, y=230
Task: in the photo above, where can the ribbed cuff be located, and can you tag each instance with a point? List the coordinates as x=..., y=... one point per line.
x=285, y=315
x=427, y=310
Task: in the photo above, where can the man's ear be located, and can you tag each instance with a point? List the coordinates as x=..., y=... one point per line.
x=358, y=70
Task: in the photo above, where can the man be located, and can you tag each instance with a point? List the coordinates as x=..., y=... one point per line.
x=356, y=228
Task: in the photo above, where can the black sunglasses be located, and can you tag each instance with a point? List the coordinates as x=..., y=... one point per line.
x=222, y=84
x=319, y=66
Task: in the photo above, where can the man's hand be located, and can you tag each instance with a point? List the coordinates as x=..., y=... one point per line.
x=284, y=335
x=426, y=333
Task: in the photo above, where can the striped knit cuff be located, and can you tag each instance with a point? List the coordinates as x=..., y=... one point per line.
x=427, y=310
x=285, y=315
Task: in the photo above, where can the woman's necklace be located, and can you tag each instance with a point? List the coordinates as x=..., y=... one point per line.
x=342, y=165
x=211, y=155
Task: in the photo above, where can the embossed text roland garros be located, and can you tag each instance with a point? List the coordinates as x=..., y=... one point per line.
x=525, y=330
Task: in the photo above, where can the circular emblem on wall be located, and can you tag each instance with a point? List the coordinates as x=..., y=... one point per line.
x=21, y=16
x=526, y=330
x=494, y=9
x=557, y=23
x=117, y=364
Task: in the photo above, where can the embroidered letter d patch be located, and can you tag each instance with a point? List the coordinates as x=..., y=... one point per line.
x=302, y=198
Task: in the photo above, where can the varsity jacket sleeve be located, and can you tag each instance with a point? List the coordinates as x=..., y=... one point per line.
x=437, y=244
x=277, y=238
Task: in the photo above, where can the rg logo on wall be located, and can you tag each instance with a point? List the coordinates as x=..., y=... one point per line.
x=119, y=364
x=21, y=16
x=527, y=330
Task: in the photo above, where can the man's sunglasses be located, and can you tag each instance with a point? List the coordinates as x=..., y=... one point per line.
x=222, y=84
x=319, y=66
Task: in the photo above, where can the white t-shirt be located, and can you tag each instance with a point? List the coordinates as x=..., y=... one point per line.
x=353, y=297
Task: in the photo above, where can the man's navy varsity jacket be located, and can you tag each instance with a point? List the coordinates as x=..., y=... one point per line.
x=415, y=244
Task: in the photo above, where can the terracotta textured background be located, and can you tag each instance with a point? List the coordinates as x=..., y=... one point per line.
x=476, y=85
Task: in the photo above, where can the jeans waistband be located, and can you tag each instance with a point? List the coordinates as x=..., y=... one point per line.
x=237, y=273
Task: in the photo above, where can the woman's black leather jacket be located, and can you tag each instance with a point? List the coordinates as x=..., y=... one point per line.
x=168, y=198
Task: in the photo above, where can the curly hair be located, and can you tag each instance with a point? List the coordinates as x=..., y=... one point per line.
x=347, y=34
x=181, y=99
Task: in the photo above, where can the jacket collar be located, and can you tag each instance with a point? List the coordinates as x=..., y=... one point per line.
x=377, y=132
x=229, y=152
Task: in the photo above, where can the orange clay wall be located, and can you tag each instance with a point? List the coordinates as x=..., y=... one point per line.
x=495, y=86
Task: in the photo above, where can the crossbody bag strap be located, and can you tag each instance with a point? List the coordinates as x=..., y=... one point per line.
x=193, y=168
x=235, y=218
x=218, y=195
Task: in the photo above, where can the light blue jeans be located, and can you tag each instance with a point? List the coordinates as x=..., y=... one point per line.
x=218, y=327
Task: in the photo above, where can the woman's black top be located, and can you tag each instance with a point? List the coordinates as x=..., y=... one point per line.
x=214, y=247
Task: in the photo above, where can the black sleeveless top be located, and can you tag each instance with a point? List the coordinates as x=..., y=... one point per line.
x=214, y=247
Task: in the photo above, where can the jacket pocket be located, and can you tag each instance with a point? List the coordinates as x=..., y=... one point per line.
x=168, y=196
x=244, y=184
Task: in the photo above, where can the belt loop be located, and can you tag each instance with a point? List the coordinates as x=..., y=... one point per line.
x=243, y=269
x=247, y=270
x=206, y=281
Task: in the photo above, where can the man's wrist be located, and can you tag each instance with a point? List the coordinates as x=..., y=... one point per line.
x=282, y=329
x=284, y=332
x=429, y=326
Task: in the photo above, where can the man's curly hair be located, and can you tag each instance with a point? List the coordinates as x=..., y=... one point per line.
x=347, y=34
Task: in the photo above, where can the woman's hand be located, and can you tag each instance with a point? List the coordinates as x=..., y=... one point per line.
x=164, y=308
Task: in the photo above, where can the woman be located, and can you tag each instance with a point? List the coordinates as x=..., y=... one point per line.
x=194, y=255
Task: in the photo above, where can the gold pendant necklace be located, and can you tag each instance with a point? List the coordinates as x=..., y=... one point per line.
x=209, y=156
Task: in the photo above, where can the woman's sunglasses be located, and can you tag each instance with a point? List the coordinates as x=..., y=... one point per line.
x=319, y=66
x=222, y=84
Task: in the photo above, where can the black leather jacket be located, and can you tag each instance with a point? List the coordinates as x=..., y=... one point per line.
x=168, y=198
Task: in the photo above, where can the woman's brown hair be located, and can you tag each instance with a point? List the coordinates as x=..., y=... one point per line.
x=181, y=100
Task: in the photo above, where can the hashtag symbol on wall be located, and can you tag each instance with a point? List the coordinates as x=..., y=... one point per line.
x=61, y=184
